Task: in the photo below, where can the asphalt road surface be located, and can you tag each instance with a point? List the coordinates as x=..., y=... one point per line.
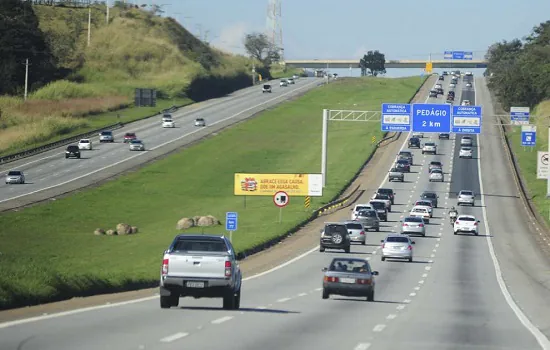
x=449, y=297
x=49, y=174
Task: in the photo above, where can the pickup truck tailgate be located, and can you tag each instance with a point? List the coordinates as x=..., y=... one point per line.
x=205, y=266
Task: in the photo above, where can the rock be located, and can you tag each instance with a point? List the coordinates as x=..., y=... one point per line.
x=134, y=230
x=215, y=221
x=99, y=232
x=205, y=221
x=111, y=233
x=196, y=220
x=185, y=223
x=123, y=229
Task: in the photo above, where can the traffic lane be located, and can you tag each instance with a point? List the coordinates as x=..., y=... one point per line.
x=517, y=244
x=106, y=154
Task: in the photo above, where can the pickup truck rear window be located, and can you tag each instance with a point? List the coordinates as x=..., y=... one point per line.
x=187, y=245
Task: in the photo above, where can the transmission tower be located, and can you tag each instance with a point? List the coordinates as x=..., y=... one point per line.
x=274, y=28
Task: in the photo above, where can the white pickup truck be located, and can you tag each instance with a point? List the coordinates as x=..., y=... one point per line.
x=200, y=266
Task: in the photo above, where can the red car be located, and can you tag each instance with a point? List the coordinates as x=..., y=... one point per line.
x=129, y=136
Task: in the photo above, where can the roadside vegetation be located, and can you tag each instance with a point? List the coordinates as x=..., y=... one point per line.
x=63, y=258
x=74, y=88
x=518, y=74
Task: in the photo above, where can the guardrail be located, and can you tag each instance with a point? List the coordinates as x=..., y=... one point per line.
x=47, y=147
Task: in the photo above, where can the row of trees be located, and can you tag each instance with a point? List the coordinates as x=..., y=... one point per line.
x=519, y=70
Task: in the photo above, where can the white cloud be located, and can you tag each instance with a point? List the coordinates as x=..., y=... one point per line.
x=231, y=38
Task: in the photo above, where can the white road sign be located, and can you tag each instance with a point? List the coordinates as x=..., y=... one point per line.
x=281, y=199
x=542, y=165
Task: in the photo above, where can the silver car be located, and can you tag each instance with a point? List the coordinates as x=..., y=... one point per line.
x=106, y=136
x=15, y=177
x=137, y=145
x=356, y=232
x=429, y=147
x=413, y=226
x=466, y=197
x=465, y=152
x=466, y=141
x=200, y=122
x=436, y=175
x=352, y=277
x=369, y=219
x=397, y=246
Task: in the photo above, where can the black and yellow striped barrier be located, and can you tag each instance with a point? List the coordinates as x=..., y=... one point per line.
x=307, y=202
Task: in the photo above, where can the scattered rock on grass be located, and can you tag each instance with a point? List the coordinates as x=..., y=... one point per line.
x=111, y=233
x=99, y=232
x=123, y=229
x=185, y=223
x=134, y=229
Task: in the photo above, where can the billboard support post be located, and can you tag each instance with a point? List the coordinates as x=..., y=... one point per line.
x=324, y=147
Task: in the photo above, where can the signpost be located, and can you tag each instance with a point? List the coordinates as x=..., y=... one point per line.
x=231, y=223
x=281, y=200
x=467, y=119
x=458, y=55
x=431, y=118
x=396, y=117
x=519, y=115
x=528, y=135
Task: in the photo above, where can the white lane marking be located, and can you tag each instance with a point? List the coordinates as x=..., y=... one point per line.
x=406, y=301
x=318, y=289
x=391, y=316
x=412, y=294
x=282, y=300
x=174, y=337
x=439, y=239
x=437, y=245
x=379, y=328
x=424, y=275
x=261, y=307
x=417, y=288
x=430, y=261
x=150, y=149
x=400, y=307
x=302, y=294
x=541, y=338
x=432, y=255
x=222, y=319
x=362, y=346
x=428, y=268
x=421, y=282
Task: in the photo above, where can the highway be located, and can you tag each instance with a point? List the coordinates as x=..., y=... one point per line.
x=449, y=297
x=49, y=174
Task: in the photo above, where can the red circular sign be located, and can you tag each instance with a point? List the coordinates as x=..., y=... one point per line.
x=281, y=199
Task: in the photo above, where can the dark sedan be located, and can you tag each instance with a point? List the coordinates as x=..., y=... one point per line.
x=349, y=277
x=404, y=165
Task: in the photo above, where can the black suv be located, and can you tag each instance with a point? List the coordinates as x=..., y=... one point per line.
x=444, y=135
x=433, y=93
x=414, y=142
x=441, y=77
x=389, y=192
x=72, y=151
x=335, y=236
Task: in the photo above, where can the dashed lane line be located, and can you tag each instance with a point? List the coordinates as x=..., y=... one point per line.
x=222, y=319
x=379, y=328
x=174, y=337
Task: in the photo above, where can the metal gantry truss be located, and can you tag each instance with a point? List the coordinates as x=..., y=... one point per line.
x=354, y=116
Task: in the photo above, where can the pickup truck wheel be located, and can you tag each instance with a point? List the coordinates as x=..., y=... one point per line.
x=230, y=300
x=165, y=302
x=326, y=294
x=370, y=296
x=174, y=300
x=321, y=249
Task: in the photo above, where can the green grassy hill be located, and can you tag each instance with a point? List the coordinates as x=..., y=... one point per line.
x=135, y=49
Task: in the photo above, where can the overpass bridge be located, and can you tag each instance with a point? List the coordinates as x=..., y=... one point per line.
x=324, y=63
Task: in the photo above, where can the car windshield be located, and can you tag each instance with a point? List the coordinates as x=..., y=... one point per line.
x=465, y=218
x=466, y=138
x=397, y=239
x=430, y=144
x=403, y=161
x=136, y=141
x=436, y=163
x=413, y=219
x=350, y=265
x=199, y=119
x=167, y=116
x=436, y=171
x=107, y=133
x=354, y=226
x=367, y=213
x=429, y=195
x=419, y=210
x=378, y=205
x=424, y=203
x=14, y=173
x=267, y=86
x=466, y=148
x=130, y=134
x=385, y=190
x=467, y=193
x=84, y=141
x=195, y=245
x=382, y=196
x=394, y=170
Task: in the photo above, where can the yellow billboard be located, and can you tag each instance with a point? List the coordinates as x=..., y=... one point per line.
x=429, y=67
x=300, y=185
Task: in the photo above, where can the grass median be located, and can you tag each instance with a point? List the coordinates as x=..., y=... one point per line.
x=48, y=252
x=527, y=158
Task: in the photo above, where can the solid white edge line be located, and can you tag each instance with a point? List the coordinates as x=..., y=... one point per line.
x=150, y=149
x=540, y=337
x=129, y=302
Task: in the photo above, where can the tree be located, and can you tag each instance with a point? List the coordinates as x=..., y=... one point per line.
x=373, y=63
x=258, y=46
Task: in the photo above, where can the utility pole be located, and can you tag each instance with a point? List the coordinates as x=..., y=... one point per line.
x=253, y=74
x=107, y=12
x=26, y=77
x=89, y=25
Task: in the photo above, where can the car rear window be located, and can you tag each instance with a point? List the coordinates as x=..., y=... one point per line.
x=353, y=226
x=435, y=163
x=403, y=161
x=466, y=219
x=397, y=239
x=367, y=213
x=330, y=229
x=467, y=193
x=350, y=265
x=429, y=195
x=84, y=141
x=466, y=148
x=72, y=148
x=378, y=205
x=189, y=245
x=430, y=144
x=14, y=173
x=438, y=171
x=412, y=219
x=107, y=133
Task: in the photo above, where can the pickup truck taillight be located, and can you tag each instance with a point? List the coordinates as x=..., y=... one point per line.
x=228, y=269
x=164, y=267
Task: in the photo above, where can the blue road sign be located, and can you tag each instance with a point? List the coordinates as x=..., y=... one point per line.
x=458, y=55
x=396, y=117
x=428, y=117
x=467, y=119
x=519, y=115
x=231, y=221
x=528, y=135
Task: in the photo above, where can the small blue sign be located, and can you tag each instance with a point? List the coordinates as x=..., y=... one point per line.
x=396, y=117
x=520, y=115
x=448, y=55
x=431, y=118
x=528, y=136
x=467, y=119
x=231, y=221
x=458, y=55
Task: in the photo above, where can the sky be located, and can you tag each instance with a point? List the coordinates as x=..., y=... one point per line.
x=346, y=29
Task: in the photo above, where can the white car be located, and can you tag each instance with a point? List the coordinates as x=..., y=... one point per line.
x=468, y=84
x=452, y=85
x=137, y=145
x=417, y=134
x=420, y=212
x=200, y=122
x=358, y=208
x=466, y=223
x=283, y=83
x=429, y=147
x=425, y=204
x=466, y=102
x=437, y=175
x=290, y=81
x=85, y=144
x=438, y=86
x=168, y=123
x=465, y=152
x=466, y=141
